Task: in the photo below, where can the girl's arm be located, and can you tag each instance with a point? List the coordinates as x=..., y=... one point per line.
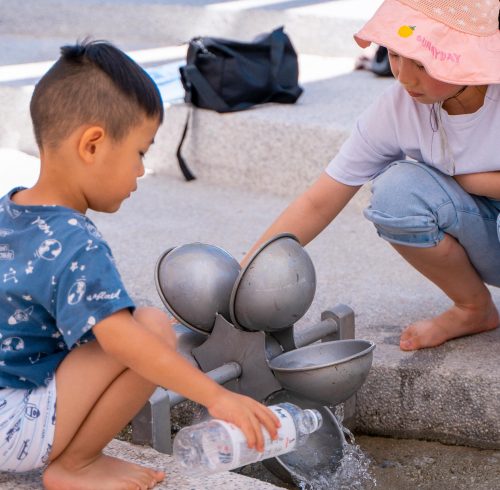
x=481, y=184
x=311, y=212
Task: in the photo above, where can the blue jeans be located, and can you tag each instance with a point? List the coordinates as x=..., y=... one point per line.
x=414, y=204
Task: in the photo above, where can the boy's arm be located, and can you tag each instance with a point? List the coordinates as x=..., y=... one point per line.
x=481, y=184
x=138, y=348
x=311, y=212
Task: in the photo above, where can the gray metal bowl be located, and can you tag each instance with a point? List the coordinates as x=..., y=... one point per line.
x=275, y=288
x=326, y=372
x=322, y=453
x=195, y=282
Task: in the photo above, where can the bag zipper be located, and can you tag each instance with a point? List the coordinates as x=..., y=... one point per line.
x=198, y=41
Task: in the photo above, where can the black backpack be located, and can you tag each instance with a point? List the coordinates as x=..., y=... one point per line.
x=228, y=76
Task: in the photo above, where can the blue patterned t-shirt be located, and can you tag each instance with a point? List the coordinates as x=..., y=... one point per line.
x=57, y=280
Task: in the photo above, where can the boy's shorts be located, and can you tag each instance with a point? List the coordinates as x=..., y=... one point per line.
x=27, y=423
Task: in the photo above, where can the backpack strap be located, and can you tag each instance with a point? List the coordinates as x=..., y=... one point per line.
x=188, y=175
x=204, y=89
x=278, y=40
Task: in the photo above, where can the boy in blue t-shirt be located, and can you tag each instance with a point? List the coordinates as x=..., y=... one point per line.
x=77, y=360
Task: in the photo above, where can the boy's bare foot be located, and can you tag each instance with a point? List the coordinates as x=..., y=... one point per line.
x=455, y=322
x=104, y=473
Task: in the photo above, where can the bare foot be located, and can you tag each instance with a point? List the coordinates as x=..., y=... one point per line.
x=104, y=473
x=455, y=322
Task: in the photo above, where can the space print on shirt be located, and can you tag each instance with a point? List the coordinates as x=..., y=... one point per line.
x=29, y=267
x=43, y=226
x=77, y=291
x=86, y=225
x=11, y=344
x=49, y=249
x=75, y=266
x=5, y=252
x=12, y=212
x=90, y=246
x=11, y=275
x=20, y=316
x=104, y=295
x=91, y=321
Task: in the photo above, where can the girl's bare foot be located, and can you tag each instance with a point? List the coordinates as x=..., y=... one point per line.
x=455, y=322
x=104, y=473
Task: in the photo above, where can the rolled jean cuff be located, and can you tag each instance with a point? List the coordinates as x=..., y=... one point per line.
x=413, y=231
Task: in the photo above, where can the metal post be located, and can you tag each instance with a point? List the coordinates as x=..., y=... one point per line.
x=344, y=317
x=152, y=425
x=221, y=375
x=305, y=335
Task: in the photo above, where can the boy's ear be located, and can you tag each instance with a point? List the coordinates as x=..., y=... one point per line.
x=90, y=142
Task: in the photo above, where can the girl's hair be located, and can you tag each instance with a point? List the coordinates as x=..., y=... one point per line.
x=93, y=82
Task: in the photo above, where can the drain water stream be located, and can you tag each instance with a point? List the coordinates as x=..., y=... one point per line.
x=351, y=473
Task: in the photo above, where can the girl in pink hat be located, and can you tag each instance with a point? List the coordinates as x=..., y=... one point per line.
x=430, y=145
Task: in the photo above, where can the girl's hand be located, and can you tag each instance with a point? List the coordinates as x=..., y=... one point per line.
x=248, y=415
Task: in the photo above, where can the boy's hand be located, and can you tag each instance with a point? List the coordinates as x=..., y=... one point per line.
x=248, y=415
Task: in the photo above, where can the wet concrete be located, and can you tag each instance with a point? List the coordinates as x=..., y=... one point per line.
x=409, y=464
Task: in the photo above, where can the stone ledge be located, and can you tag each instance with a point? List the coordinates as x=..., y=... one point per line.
x=148, y=457
x=274, y=148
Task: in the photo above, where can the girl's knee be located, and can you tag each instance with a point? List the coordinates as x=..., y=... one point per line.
x=157, y=322
x=407, y=187
x=410, y=205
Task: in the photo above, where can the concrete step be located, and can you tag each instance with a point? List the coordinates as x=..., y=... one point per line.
x=278, y=148
x=315, y=26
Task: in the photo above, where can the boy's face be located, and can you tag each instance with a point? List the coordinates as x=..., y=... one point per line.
x=418, y=83
x=120, y=164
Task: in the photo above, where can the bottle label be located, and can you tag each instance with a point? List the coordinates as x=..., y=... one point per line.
x=285, y=442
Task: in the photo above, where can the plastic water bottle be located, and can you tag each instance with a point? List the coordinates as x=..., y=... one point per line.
x=215, y=445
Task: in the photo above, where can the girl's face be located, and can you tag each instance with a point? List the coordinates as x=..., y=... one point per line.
x=419, y=85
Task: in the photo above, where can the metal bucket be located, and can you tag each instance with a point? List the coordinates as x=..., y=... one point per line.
x=275, y=288
x=195, y=282
x=326, y=372
x=322, y=452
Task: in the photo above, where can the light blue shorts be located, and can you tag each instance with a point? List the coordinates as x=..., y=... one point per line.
x=414, y=204
x=27, y=423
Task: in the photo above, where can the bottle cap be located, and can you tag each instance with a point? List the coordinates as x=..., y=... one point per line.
x=316, y=418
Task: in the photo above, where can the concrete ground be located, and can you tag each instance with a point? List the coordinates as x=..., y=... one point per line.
x=398, y=464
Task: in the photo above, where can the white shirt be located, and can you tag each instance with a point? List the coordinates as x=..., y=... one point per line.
x=396, y=125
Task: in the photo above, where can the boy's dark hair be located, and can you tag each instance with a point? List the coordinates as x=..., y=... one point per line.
x=93, y=82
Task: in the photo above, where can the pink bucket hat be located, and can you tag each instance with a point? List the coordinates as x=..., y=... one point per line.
x=457, y=41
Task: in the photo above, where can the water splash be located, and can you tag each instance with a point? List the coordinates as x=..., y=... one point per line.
x=352, y=472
